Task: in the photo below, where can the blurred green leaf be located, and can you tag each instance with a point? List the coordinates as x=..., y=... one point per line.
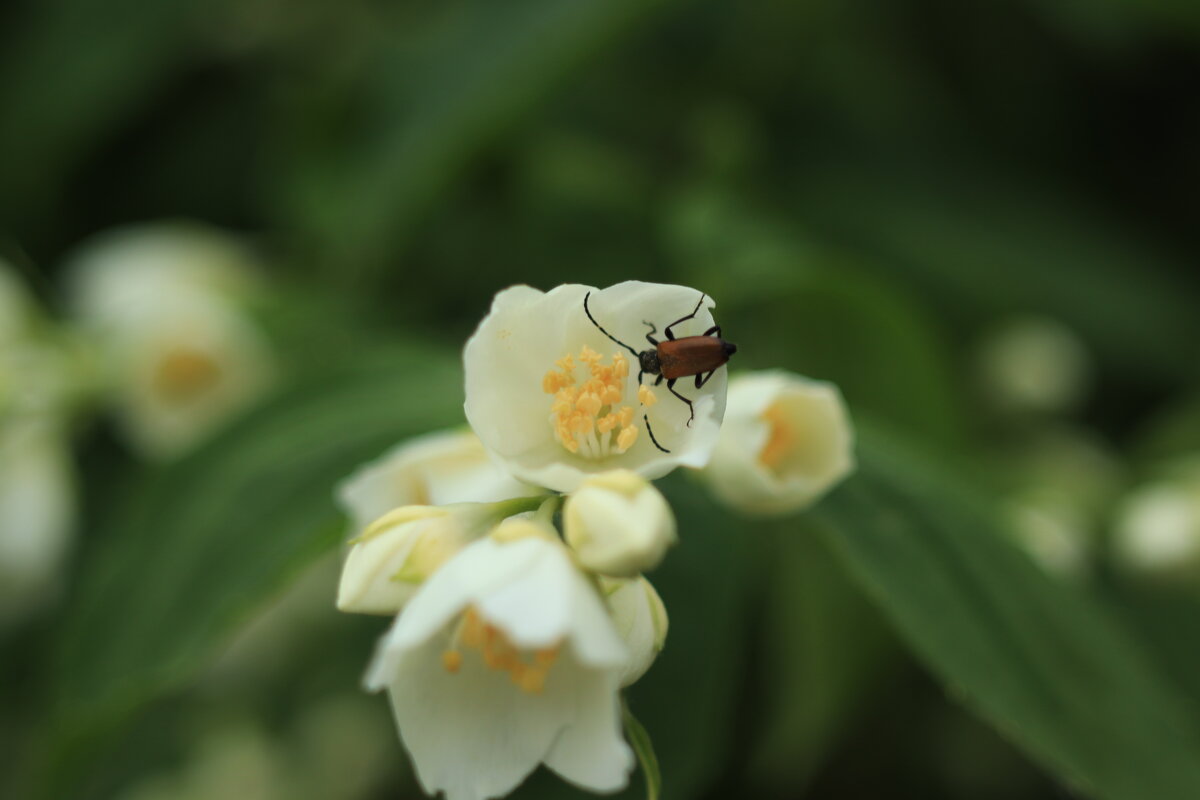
x=825, y=654
x=206, y=540
x=1043, y=661
x=644, y=748
x=72, y=70
x=474, y=76
x=990, y=243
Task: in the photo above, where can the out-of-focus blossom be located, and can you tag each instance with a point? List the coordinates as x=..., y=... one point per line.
x=165, y=307
x=37, y=511
x=555, y=399
x=504, y=659
x=618, y=524
x=1158, y=524
x=1034, y=365
x=786, y=441
x=435, y=469
x=641, y=620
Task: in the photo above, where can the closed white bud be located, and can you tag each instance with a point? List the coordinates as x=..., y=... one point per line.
x=641, y=620
x=391, y=559
x=618, y=524
x=786, y=441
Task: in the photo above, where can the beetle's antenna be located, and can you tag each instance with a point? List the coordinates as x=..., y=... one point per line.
x=588, y=311
x=651, y=432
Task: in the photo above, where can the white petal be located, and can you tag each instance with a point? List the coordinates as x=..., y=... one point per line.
x=473, y=734
x=437, y=469
x=592, y=752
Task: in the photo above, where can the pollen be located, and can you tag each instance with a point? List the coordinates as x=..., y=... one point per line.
x=528, y=670
x=588, y=413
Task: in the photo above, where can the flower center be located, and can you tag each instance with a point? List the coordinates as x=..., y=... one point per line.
x=184, y=373
x=588, y=417
x=781, y=441
x=527, y=669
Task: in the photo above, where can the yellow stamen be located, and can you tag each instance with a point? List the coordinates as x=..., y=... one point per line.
x=586, y=415
x=646, y=396
x=528, y=671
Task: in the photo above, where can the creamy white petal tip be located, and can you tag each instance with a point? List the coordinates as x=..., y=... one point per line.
x=786, y=441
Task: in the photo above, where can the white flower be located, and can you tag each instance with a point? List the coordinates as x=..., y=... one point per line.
x=400, y=550
x=618, y=524
x=506, y=658
x=641, y=620
x=554, y=399
x=37, y=511
x=786, y=441
x=436, y=469
x=162, y=305
x=1158, y=525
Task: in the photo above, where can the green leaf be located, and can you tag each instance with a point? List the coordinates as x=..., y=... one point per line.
x=639, y=739
x=1042, y=661
x=207, y=539
x=824, y=654
x=478, y=71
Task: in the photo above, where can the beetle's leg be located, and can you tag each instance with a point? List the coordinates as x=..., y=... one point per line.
x=659, y=379
x=703, y=378
x=714, y=329
x=691, y=409
x=653, y=330
x=696, y=310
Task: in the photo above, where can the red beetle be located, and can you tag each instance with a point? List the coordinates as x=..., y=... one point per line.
x=676, y=358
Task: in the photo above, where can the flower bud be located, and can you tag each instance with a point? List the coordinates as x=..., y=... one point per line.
x=786, y=441
x=618, y=524
x=399, y=551
x=641, y=620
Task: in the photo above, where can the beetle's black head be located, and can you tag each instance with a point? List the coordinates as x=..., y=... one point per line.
x=648, y=362
x=730, y=348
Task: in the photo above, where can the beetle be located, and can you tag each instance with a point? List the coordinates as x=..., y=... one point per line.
x=673, y=359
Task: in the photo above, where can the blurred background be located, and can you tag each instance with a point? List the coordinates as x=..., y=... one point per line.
x=242, y=244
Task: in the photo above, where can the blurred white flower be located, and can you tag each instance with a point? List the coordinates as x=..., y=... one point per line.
x=641, y=620
x=37, y=511
x=435, y=469
x=1034, y=364
x=786, y=441
x=164, y=305
x=1158, y=524
x=183, y=370
x=507, y=658
x=554, y=399
x=618, y=524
